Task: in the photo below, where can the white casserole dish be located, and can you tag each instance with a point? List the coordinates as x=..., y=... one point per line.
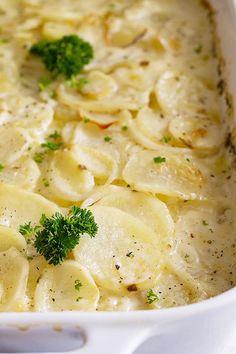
x=204, y=328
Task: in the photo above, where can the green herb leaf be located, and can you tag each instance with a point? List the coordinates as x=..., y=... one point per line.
x=38, y=157
x=151, y=296
x=107, y=139
x=166, y=139
x=46, y=182
x=51, y=145
x=78, y=284
x=159, y=159
x=26, y=229
x=1, y=167
x=66, y=56
x=59, y=234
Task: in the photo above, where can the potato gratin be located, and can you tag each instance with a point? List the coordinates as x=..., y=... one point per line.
x=116, y=161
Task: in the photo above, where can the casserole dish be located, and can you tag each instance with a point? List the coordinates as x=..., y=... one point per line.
x=206, y=327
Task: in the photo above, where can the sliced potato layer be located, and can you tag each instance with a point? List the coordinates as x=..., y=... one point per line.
x=23, y=173
x=66, y=287
x=11, y=238
x=180, y=93
x=174, y=288
x=14, y=142
x=198, y=133
x=18, y=206
x=100, y=164
x=205, y=242
x=68, y=180
x=169, y=171
x=14, y=270
x=144, y=207
x=124, y=252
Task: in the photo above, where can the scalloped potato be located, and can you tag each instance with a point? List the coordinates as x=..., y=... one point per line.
x=138, y=136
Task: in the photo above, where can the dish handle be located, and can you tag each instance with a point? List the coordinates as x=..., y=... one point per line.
x=115, y=339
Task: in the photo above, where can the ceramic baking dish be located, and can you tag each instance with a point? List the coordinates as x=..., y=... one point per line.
x=208, y=327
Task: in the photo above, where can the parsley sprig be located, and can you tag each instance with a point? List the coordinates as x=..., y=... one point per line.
x=26, y=229
x=66, y=56
x=56, y=236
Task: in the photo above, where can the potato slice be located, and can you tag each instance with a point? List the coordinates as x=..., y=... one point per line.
x=181, y=174
x=124, y=252
x=123, y=33
x=56, y=290
x=29, y=114
x=151, y=211
x=101, y=119
x=98, y=193
x=36, y=268
x=14, y=270
x=205, y=244
x=151, y=123
x=99, y=85
x=180, y=93
x=23, y=173
x=132, y=99
x=11, y=238
x=88, y=135
x=14, y=143
x=138, y=135
x=100, y=164
x=198, y=133
x=18, y=206
x=68, y=180
x=174, y=288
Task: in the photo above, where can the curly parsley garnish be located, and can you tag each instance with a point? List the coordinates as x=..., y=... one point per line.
x=26, y=229
x=56, y=236
x=66, y=56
